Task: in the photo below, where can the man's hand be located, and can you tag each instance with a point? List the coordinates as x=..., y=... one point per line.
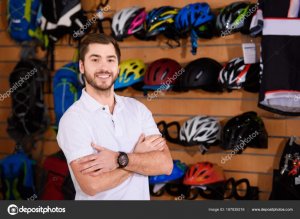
x=95, y=164
x=150, y=143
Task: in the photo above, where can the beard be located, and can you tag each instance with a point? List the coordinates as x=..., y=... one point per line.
x=98, y=83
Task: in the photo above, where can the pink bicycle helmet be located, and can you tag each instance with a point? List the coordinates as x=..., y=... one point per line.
x=128, y=21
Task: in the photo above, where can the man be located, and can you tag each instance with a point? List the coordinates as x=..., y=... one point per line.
x=111, y=142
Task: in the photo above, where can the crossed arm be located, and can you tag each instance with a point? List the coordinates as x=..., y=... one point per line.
x=98, y=172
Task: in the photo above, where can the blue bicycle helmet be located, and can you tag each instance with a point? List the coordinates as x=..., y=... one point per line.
x=177, y=173
x=191, y=18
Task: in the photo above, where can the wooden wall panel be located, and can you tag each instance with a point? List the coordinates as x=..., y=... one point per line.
x=205, y=107
x=241, y=162
x=275, y=146
x=275, y=127
x=5, y=40
x=5, y=69
x=254, y=164
x=7, y=146
x=117, y=5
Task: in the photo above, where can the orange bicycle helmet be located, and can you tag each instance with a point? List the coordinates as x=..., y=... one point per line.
x=204, y=173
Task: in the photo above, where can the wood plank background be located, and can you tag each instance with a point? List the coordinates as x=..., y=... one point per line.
x=254, y=164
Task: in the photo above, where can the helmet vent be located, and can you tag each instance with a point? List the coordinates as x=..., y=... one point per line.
x=198, y=75
x=134, y=67
x=141, y=71
x=202, y=172
x=164, y=75
x=130, y=74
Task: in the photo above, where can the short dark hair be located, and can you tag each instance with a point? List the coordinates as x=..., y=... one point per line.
x=97, y=38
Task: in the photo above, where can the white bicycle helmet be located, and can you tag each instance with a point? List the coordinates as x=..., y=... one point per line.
x=200, y=130
x=128, y=21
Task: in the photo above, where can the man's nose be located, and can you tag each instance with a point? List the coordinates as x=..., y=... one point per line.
x=103, y=66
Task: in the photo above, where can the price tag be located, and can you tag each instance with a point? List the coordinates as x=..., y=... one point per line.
x=249, y=52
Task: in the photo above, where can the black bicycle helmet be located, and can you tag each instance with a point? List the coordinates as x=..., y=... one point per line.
x=244, y=130
x=250, y=193
x=253, y=78
x=201, y=73
x=235, y=17
x=236, y=75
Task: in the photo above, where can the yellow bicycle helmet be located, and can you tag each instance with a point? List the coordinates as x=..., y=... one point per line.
x=132, y=71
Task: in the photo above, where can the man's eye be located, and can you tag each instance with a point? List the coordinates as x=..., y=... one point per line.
x=111, y=60
x=94, y=60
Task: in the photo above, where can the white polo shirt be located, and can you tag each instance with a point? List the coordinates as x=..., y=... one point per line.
x=87, y=121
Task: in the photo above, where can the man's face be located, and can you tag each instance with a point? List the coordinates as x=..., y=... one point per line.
x=100, y=66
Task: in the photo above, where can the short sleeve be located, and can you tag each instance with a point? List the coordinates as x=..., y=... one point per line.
x=74, y=137
x=149, y=126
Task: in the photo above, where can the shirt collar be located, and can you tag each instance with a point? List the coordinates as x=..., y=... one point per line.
x=92, y=104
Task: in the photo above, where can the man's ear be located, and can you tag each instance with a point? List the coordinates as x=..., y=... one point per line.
x=81, y=66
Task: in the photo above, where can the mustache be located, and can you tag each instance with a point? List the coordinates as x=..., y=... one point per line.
x=103, y=72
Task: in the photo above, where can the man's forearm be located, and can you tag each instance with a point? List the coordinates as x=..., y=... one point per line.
x=92, y=185
x=150, y=163
x=112, y=179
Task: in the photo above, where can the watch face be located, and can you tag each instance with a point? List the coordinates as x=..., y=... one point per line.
x=123, y=160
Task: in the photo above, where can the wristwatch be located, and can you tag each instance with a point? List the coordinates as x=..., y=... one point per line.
x=122, y=159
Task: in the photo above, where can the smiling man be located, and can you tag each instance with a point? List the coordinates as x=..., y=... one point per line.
x=111, y=142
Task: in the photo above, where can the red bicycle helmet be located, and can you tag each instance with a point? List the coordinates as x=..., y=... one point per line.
x=162, y=74
x=203, y=173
